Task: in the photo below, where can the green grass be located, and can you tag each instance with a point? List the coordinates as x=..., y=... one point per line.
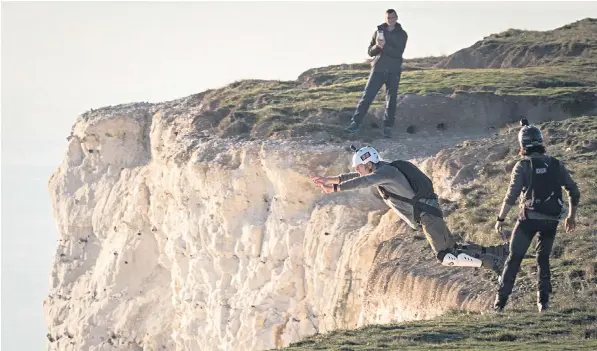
x=535, y=81
x=566, y=329
x=334, y=91
x=572, y=44
x=340, y=89
x=582, y=31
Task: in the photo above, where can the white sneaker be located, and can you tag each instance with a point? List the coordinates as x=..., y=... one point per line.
x=463, y=260
x=449, y=260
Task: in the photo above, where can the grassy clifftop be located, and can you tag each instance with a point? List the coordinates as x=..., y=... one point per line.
x=325, y=97
x=567, y=329
x=572, y=44
x=335, y=91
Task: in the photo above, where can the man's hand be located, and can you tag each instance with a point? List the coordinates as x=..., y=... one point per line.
x=570, y=224
x=380, y=43
x=499, y=228
x=499, y=225
x=324, y=180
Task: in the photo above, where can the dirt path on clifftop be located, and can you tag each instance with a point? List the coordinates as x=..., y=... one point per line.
x=416, y=146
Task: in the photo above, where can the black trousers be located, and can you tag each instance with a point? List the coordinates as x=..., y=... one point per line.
x=374, y=84
x=523, y=234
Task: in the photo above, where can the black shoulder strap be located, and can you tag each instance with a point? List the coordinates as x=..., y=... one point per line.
x=528, y=194
x=418, y=206
x=400, y=164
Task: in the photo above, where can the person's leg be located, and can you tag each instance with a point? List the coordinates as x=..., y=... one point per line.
x=521, y=240
x=545, y=241
x=438, y=235
x=493, y=257
x=501, y=251
x=374, y=83
x=392, y=84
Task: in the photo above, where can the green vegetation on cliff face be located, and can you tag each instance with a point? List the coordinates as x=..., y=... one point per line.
x=340, y=89
x=335, y=92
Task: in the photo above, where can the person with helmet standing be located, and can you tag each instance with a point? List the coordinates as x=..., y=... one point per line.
x=540, y=179
x=409, y=192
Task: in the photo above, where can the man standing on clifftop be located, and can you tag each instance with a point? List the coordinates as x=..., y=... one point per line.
x=387, y=47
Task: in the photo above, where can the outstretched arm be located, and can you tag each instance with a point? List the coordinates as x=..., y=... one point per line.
x=347, y=176
x=333, y=180
x=356, y=183
x=363, y=182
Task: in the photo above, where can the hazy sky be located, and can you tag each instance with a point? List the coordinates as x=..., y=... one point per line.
x=61, y=59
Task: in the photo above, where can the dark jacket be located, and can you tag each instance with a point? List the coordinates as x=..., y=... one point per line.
x=390, y=57
x=521, y=178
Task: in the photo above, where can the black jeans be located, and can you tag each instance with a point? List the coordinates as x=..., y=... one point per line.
x=374, y=83
x=523, y=234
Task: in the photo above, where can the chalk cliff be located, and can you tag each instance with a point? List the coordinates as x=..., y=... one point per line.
x=172, y=239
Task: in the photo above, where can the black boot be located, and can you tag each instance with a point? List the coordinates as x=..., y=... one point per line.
x=496, y=250
x=387, y=132
x=500, y=303
x=498, y=266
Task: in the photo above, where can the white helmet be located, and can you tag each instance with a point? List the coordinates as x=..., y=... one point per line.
x=364, y=155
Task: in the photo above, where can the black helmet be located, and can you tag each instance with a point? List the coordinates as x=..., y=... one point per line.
x=529, y=135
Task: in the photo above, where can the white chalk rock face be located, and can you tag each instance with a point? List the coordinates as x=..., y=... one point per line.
x=173, y=240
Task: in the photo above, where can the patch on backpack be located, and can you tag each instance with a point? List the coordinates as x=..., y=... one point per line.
x=541, y=170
